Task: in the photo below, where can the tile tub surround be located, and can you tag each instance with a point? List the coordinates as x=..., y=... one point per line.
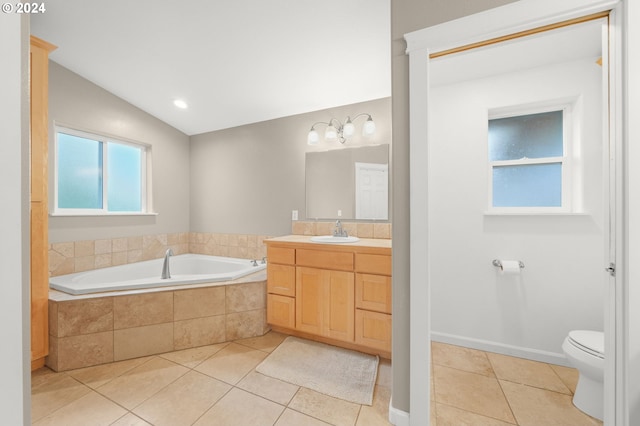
x=356, y=229
x=79, y=256
x=108, y=327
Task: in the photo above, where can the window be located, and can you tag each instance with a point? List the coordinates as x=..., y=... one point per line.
x=528, y=161
x=95, y=174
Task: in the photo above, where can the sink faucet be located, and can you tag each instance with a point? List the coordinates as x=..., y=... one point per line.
x=338, y=231
x=165, y=266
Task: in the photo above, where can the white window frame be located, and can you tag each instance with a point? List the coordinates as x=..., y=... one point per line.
x=146, y=205
x=564, y=160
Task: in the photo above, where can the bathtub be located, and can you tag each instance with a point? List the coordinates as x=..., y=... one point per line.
x=185, y=269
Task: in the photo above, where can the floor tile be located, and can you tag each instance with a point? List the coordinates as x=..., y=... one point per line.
x=378, y=413
x=232, y=363
x=50, y=392
x=472, y=392
x=266, y=343
x=268, y=387
x=568, y=375
x=533, y=407
x=458, y=357
x=240, y=408
x=452, y=416
x=294, y=418
x=384, y=373
x=532, y=373
x=92, y=409
x=331, y=410
x=190, y=358
x=183, y=401
x=99, y=375
x=138, y=384
x=130, y=420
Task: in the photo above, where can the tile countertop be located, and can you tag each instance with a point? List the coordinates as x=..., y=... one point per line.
x=363, y=242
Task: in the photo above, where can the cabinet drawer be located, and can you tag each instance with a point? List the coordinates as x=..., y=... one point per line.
x=373, y=263
x=373, y=292
x=336, y=260
x=281, y=279
x=281, y=310
x=281, y=255
x=373, y=330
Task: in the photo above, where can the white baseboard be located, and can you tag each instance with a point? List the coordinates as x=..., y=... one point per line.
x=501, y=348
x=397, y=417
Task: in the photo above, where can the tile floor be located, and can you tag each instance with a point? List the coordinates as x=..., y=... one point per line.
x=218, y=385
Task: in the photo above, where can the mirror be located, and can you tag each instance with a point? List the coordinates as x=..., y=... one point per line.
x=348, y=183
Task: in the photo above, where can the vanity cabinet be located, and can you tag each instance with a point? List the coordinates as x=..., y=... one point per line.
x=338, y=294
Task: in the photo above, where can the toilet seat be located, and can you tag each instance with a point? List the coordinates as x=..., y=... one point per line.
x=591, y=342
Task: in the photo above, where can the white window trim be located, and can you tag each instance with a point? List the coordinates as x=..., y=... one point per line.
x=568, y=123
x=146, y=205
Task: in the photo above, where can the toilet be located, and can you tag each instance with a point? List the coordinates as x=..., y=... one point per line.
x=585, y=351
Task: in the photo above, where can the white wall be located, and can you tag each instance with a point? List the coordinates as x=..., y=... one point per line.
x=77, y=103
x=562, y=285
x=14, y=224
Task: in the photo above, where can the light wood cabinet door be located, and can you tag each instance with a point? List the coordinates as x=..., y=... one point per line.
x=281, y=279
x=325, y=303
x=373, y=329
x=310, y=303
x=281, y=310
x=339, y=314
x=373, y=292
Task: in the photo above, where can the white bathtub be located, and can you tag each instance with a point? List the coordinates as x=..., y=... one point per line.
x=185, y=269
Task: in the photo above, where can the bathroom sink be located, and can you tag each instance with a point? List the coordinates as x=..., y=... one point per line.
x=331, y=239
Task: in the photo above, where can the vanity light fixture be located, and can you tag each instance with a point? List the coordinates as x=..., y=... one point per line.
x=336, y=131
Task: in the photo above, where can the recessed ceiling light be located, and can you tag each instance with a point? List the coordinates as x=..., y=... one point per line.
x=180, y=103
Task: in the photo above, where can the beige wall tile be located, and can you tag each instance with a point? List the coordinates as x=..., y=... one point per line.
x=51, y=360
x=84, y=350
x=55, y=260
x=199, y=332
x=84, y=263
x=53, y=318
x=241, y=325
x=200, y=302
x=252, y=241
x=234, y=240
x=134, y=256
x=382, y=230
x=66, y=267
x=173, y=239
x=142, y=341
x=246, y=297
x=65, y=249
x=103, y=260
x=142, y=309
x=134, y=243
x=364, y=230
x=103, y=246
x=119, y=244
x=85, y=316
x=84, y=248
x=324, y=228
x=119, y=258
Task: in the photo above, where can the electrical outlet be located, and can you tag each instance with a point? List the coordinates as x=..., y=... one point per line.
x=294, y=214
x=339, y=213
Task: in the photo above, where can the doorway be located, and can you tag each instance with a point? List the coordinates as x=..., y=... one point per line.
x=424, y=102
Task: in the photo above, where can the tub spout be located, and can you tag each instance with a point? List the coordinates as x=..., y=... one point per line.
x=165, y=266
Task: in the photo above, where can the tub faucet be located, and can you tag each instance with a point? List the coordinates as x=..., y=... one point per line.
x=338, y=231
x=165, y=266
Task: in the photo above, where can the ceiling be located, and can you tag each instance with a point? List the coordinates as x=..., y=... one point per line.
x=233, y=62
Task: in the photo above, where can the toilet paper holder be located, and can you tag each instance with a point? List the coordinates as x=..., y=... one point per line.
x=498, y=264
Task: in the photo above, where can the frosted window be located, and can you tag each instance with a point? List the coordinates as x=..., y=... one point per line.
x=124, y=178
x=527, y=160
x=79, y=172
x=537, y=185
x=98, y=175
x=526, y=136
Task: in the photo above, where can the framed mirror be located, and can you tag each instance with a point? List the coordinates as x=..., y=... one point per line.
x=348, y=183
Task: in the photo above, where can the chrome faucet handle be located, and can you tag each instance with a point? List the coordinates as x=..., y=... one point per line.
x=264, y=260
x=254, y=262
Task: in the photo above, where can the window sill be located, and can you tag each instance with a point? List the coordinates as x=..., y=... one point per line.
x=100, y=214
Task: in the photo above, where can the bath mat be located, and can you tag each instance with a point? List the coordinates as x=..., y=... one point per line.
x=333, y=371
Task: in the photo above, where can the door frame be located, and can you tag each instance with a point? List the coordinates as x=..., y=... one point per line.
x=477, y=29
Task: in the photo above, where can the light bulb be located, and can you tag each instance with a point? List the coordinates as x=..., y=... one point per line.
x=369, y=127
x=313, y=137
x=349, y=129
x=331, y=134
